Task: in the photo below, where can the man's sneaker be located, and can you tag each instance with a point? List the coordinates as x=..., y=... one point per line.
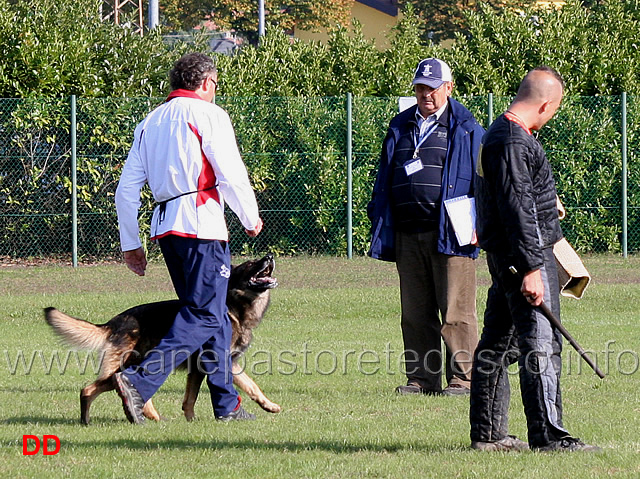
x=456, y=390
x=569, y=444
x=413, y=388
x=132, y=402
x=509, y=443
x=239, y=414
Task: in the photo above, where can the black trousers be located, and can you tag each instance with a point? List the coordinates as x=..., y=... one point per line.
x=516, y=331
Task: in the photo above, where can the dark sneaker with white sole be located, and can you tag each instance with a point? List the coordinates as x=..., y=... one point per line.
x=509, y=443
x=132, y=402
x=568, y=444
x=240, y=414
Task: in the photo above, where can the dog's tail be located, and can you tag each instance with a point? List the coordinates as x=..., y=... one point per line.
x=77, y=333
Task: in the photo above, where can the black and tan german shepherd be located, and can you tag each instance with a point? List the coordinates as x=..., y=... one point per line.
x=125, y=339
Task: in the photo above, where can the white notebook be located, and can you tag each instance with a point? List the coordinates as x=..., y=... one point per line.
x=462, y=213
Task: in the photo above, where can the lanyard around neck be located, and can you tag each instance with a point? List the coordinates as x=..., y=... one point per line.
x=423, y=139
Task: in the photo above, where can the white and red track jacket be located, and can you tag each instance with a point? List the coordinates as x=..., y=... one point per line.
x=186, y=151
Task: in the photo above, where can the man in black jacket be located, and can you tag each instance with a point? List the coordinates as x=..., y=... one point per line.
x=517, y=226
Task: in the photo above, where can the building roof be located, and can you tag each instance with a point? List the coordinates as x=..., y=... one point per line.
x=390, y=7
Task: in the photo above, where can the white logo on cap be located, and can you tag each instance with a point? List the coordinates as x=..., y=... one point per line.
x=427, y=70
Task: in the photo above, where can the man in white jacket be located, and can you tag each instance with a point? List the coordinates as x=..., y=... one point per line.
x=186, y=151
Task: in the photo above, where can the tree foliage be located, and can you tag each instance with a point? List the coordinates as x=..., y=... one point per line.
x=444, y=19
x=596, y=49
x=62, y=47
x=347, y=62
x=241, y=16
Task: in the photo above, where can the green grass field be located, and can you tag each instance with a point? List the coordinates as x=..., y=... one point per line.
x=329, y=353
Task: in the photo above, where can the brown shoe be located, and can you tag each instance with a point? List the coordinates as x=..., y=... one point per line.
x=509, y=443
x=456, y=390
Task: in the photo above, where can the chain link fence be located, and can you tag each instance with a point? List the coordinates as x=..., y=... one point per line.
x=60, y=160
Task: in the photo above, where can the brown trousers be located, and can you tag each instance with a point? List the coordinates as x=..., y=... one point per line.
x=438, y=298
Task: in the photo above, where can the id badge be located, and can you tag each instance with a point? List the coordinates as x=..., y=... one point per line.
x=413, y=166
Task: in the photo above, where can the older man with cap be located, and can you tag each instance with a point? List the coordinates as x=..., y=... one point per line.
x=429, y=156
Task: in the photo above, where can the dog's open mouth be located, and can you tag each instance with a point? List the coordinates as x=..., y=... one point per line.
x=263, y=279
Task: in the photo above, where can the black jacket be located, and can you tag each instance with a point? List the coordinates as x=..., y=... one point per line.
x=515, y=196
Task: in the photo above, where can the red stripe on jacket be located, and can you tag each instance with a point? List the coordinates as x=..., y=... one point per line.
x=207, y=179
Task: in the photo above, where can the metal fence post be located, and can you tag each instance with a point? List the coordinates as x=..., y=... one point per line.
x=74, y=186
x=624, y=175
x=154, y=14
x=349, y=178
x=261, y=19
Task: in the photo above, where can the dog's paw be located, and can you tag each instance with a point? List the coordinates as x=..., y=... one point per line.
x=189, y=416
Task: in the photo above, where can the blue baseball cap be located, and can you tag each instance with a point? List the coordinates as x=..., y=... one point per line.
x=432, y=72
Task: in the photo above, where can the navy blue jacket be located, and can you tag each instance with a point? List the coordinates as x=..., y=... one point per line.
x=465, y=135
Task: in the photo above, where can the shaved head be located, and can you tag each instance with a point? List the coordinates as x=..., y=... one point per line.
x=538, y=97
x=541, y=84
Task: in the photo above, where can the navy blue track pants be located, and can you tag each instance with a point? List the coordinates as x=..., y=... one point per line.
x=199, y=270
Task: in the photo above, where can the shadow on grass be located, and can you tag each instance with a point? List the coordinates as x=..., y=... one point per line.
x=41, y=420
x=337, y=447
x=38, y=389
